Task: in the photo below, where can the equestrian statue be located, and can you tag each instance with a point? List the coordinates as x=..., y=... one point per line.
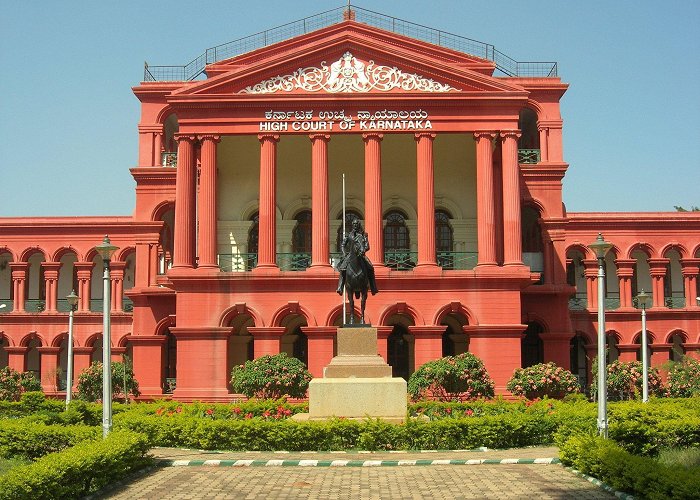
x=356, y=271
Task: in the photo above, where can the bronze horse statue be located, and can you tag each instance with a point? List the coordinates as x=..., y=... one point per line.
x=356, y=279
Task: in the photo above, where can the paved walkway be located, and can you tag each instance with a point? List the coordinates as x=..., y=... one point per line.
x=318, y=475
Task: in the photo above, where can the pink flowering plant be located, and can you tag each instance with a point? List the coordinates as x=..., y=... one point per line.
x=544, y=379
x=13, y=384
x=625, y=380
x=271, y=377
x=90, y=381
x=684, y=378
x=452, y=378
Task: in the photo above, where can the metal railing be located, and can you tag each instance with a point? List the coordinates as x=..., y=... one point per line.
x=674, y=302
x=529, y=156
x=170, y=385
x=612, y=303
x=168, y=159
x=504, y=64
x=298, y=261
x=9, y=305
x=95, y=305
x=400, y=260
x=457, y=260
x=578, y=302
x=34, y=305
x=237, y=262
x=293, y=261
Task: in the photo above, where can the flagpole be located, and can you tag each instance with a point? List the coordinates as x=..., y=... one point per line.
x=343, y=250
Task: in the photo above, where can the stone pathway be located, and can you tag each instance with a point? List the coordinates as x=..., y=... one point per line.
x=461, y=474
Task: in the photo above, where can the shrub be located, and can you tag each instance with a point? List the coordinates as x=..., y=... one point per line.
x=271, y=377
x=544, y=379
x=500, y=431
x=77, y=471
x=14, y=383
x=624, y=381
x=452, y=378
x=22, y=439
x=684, y=378
x=90, y=381
x=640, y=476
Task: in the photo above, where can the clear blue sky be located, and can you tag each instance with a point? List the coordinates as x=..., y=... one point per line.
x=68, y=117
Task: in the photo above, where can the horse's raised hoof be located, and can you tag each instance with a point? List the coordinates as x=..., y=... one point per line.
x=339, y=291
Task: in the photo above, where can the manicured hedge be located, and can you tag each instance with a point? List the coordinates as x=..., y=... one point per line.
x=26, y=439
x=640, y=476
x=255, y=434
x=77, y=471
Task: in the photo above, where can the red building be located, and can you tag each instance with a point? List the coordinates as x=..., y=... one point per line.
x=453, y=158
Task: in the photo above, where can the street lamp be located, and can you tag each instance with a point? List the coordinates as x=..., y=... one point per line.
x=106, y=249
x=72, y=300
x=644, y=300
x=600, y=247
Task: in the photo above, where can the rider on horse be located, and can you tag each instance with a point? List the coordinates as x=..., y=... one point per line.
x=356, y=235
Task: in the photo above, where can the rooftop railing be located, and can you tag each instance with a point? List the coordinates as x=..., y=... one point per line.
x=504, y=64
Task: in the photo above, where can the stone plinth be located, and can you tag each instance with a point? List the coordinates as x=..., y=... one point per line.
x=357, y=355
x=358, y=398
x=357, y=383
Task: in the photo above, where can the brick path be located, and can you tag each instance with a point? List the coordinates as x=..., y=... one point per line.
x=411, y=482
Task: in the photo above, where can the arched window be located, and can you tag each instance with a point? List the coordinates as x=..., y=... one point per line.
x=579, y=365
x=397, y=351
x=170, y=363
x=443, y=231
x=253, y=233
x=532, y=347
x=301, y=236
x=533, y=249
x=350, y=216
x=444, y=239
x=529, y=142
x=397, y=243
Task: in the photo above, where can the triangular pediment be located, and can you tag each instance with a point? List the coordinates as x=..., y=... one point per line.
x=349, y=58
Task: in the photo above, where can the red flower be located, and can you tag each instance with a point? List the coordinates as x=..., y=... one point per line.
x=210, y=411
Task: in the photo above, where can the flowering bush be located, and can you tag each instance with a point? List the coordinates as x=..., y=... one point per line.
x=544, y=379
x=625, y=381
x=14, y=383
x=452, y=378
x=271, y=377
x=684, y=378
x=90, y=381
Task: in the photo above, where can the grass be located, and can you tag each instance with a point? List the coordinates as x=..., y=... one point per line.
x=688, y=458
x=8, y=463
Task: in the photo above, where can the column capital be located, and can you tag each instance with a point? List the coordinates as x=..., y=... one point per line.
x=509, y=134
x=266, y=332
x=420, y=135
x=320, y=331
x=427, y=331
x=268, y=137
x=209, y=137
x=319, y=137
x=372, y=135
x=185, y=137
x=487, y=134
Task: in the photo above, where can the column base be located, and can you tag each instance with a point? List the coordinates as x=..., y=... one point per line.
x=270, y=269
x=428, y=268
x=321, y=269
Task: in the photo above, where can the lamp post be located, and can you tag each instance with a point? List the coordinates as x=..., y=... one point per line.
x=644, y=299
x=106, y=249
x=600, y=247
x=72, y=300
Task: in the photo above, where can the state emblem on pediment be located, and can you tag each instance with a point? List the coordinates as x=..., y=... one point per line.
x=348, y=74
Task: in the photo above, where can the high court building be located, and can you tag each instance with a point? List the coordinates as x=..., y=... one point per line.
x=453, y=158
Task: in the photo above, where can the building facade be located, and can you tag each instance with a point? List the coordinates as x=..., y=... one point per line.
x=453, y=163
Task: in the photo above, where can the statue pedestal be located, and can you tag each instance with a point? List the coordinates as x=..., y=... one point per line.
x=357, y=383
